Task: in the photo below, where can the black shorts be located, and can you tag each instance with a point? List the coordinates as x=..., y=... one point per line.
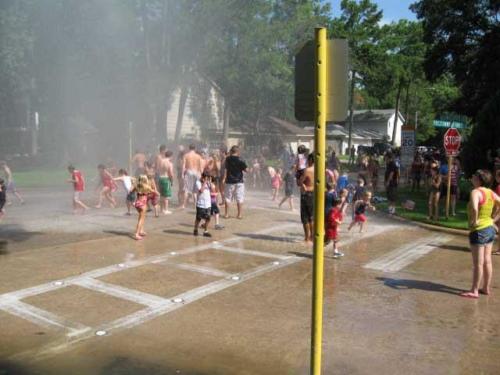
x=202, y=213
x=392, y=193
x=131, y=197
x=288, y=193
x=214, y=210
x=306, y=207
x=444, y=190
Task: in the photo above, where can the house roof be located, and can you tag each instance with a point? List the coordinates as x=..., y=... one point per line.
x=291, y=127
x=374, y=115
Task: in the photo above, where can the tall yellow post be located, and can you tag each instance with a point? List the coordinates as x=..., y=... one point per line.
x=319, y=199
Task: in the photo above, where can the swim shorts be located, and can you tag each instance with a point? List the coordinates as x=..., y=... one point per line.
x=165, y=187
x=306, y=207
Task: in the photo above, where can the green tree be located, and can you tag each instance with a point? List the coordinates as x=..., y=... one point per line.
x=463, y=39
x=359, y=24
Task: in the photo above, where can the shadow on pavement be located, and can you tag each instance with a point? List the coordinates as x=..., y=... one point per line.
x=406, y=284
x=11, y=368
x=265, y=237
x=454, y=247
x=177, y=231
x=118, y=233
x=14, y=233
x=127, y=366
x=301, y=255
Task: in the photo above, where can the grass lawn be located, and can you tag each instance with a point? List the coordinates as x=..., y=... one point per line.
x=49, y=177
x=420, y=213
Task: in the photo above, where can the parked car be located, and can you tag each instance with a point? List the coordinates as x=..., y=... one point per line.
x=381, y=148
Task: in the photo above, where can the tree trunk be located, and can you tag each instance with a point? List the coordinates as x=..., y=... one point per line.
x=165, y=37
x=407, y=103
x=396, y=114
x=180, y=114
x=351, y=109
x=145, y=32
x=227, y=115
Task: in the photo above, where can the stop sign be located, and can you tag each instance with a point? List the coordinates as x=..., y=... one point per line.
x=452, y=140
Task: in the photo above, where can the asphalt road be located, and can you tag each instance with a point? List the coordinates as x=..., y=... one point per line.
x=79, y=296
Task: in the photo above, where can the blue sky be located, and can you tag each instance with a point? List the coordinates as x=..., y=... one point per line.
x=393, y=9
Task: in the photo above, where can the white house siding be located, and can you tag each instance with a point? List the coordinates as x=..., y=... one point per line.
x=189, y=125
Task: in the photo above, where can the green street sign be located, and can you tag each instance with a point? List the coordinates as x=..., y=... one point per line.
x=449, y=124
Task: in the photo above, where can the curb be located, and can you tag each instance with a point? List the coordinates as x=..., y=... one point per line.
x=435, y=228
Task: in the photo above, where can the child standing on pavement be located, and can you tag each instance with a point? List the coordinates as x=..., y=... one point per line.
x=214, y=210
x=128, y=184
x=203, y=204
x=289, y=180
x=276, y=183
x=78, y=186
x=333, y=220
x=360, y=207
x=435, y=191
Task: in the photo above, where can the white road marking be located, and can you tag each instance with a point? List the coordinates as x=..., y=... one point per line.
x=238, y=250
x=121, y=292
x=402, y=257
x=149, y=313
x=41, y=317
x=195, y=268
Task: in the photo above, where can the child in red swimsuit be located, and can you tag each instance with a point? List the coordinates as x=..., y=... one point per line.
x=78, y=186
x=360, y=207
x=108, y=186
x=333, y=220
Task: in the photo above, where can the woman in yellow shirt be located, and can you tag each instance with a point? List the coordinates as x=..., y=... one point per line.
x=482, y=205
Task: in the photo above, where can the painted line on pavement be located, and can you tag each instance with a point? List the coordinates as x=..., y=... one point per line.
x=237, y=250
x=121, y=292
x=402, y=257
x=41, y=317
x=150, y=313
x=195, y=268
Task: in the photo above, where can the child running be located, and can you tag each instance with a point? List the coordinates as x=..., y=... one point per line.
x=276, y=183
x=203, y=204
x=214, y=209
x=360, y=207
x=78, y=186
x=333, y=220
x=128, y=184
x=142, y=189
x=108, y=187
x=289, y=183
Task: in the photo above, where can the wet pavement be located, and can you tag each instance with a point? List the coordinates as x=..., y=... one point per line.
x=79, y=296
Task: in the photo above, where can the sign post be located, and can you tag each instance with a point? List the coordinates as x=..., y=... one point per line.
x=319, y=199
x=407, y=147
x=451, y=142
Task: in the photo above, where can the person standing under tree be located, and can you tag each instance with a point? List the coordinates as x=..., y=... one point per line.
x=391, y=182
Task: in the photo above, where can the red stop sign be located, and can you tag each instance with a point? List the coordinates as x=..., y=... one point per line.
x=452, y=140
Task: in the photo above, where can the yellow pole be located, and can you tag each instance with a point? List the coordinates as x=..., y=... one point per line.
x=319, y=200
x=448, y=187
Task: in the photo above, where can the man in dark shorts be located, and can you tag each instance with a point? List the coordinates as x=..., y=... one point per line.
x=391, y=182
x=306, y=183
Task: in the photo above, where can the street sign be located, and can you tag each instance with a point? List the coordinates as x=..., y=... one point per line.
x=448, y=124
x=407, y=145
x=452, y=141
x=336, y=85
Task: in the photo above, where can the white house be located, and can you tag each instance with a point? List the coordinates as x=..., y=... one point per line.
x=377, y=120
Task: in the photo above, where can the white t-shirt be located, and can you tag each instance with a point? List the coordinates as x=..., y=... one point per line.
x=127, y=183
x=204, y=200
